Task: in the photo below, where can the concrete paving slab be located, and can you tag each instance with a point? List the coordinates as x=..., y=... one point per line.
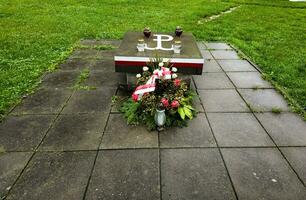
x=57, y=175
x=238, y=129
x=224, y=54
x=11, y=165
x=120, y=135
x=211, y=66
x=90, y=101
x=217, y=45
x=236, y=65
x=197, y=134
x=75, y=64
x=197, y=105
x=222, y=101
x=60, y=79
x=104, y=65
x=105, y=79
x=106, y=54
x=85, y=53
x=251, y=80
x=75, y=132
x=264, y=99
x=262, y=173
x=297, y=158
x=286, y=129
x=212, y=81
x=23, y=133
x=192, y=84
x=194, y=174
x=44, y=101
x=121, y=94
x=206, y=55
x=93, y=43
x=201, y=45
x=125, y=174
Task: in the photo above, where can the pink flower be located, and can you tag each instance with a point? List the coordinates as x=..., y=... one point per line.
x=175, y=104
x=135, y=97
x=165, y=102
x=177, y=82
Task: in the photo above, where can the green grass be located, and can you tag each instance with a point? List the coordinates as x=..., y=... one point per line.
x=80, y=83
x=36, y=35
x=273, y=3
x=274, y=38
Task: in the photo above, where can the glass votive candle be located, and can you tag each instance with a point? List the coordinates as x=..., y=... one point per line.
x=177, y=47
x=141, y=45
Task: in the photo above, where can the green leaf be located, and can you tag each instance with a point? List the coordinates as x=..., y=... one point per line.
x=184, y=101
x=188, y=112
x=180, y=110
x=189, y=107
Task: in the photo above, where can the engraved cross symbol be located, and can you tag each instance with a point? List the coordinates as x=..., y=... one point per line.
x=159, y=39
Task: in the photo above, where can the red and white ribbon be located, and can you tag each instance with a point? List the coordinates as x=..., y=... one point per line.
x=163, y=73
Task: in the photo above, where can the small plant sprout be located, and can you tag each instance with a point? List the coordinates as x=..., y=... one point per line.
x=264, y=76
x=80, y=83
x=2, y=149
x=114, y=99
x=254, y=110
x=276, y=110
x=256, y=87
x=241, y=55
x=96, y=47
x=103, y=47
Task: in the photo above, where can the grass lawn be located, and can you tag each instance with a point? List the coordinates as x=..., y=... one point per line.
x=35, y=35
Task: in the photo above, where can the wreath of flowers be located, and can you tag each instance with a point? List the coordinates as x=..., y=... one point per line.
x=159, y=87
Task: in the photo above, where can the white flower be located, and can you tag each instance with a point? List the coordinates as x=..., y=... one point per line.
x=161, y=64
x=174, y=69
x=138, y=75
x=145, y=68
x=174, y=75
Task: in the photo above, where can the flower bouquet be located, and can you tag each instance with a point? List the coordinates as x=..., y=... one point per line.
x=160, y=99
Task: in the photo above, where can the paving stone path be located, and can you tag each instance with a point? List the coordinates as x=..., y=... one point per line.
x=64, y=143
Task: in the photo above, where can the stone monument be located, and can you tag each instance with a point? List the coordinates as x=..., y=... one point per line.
x=136, y=50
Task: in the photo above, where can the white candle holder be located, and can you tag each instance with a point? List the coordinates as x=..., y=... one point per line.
x=141, y=45
x=177, y=46
x=160, y=119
